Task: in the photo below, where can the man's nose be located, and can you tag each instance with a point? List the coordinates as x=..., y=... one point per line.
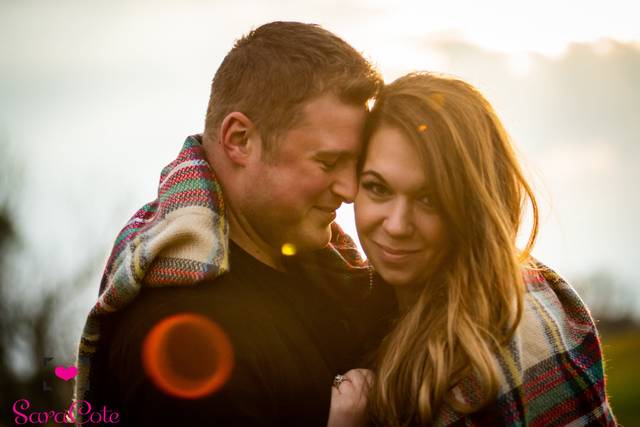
x=345, y=184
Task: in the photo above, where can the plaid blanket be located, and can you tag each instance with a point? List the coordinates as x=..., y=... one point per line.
x=179, y=239
x=552, y=372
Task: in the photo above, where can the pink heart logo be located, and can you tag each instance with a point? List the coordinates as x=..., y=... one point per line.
x=66, y=373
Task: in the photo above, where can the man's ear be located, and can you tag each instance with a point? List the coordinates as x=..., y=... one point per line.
x=235, y=132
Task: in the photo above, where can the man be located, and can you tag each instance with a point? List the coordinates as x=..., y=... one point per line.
x=277, y=158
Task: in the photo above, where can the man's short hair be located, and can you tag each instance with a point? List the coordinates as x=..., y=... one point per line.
x=271, y=72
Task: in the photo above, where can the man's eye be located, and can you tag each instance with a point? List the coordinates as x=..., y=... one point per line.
x=375, y=188
x=328, y=164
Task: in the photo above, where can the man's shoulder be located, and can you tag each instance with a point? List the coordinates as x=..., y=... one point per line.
x=222, y=304
x=209, y=296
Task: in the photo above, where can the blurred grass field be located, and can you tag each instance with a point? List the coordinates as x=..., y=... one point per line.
x=622, y=366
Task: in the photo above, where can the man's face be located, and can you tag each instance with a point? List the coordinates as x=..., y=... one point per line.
x=292, y=198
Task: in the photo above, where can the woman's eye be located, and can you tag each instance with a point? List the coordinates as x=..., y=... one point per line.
x=426, y=202
x=375, y=188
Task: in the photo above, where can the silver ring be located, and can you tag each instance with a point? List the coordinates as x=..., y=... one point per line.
x=339, y=379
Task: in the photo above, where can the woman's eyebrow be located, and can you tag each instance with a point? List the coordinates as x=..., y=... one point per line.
x=374, y=174
x=424, y=190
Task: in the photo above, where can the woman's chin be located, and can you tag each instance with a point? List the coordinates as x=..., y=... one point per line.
x=397, y=278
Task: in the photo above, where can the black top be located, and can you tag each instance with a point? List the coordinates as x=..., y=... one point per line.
x=290, y=333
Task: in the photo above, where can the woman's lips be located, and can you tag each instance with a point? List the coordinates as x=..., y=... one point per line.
x=392, y=254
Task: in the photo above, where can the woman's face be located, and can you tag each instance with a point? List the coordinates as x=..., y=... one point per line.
x=401, y=232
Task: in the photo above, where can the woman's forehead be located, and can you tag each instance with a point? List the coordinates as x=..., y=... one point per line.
x=392, y=156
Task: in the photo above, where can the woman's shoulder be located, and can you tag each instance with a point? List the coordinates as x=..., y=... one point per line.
x=551, y=372
x=553, y=307
x=553, y=364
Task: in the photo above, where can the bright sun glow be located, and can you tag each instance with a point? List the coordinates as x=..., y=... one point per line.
x=544, y=26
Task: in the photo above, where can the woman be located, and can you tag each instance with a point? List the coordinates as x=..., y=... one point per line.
x=488, y=336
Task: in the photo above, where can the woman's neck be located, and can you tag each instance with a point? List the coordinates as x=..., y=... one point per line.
x=407, y=296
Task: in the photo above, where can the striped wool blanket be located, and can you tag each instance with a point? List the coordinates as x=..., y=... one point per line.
x=180, y=239
x=551, y=374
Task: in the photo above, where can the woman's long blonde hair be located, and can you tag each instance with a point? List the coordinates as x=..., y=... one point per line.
x=472, y=305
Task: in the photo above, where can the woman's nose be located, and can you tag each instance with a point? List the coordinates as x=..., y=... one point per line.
x=398, y=221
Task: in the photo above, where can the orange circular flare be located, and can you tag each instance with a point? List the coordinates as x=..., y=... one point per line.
x=187, y=355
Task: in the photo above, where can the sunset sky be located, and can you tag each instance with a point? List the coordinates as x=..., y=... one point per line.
x=96, y=97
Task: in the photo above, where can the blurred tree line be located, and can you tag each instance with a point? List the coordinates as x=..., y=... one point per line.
x=614, y=308
x=29, y=327
x=613, y=303
x=25, y=334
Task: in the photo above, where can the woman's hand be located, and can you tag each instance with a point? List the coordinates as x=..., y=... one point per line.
x=349, y=399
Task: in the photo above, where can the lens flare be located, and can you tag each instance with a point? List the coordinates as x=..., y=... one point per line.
x=187, y=356
x=422, y=128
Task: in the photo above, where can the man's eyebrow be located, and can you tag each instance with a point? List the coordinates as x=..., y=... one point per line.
x=334, y=153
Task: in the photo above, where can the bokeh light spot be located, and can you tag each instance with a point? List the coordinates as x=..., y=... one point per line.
x=422, y=128
x=288, y=249
x=187, y=356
